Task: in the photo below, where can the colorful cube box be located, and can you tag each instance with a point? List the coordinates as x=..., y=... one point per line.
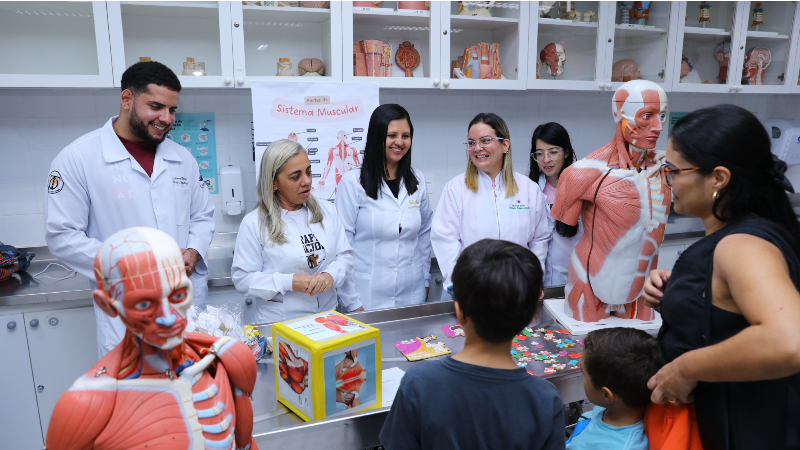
x=327, y=364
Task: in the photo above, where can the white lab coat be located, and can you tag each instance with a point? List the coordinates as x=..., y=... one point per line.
x=264, y=273
x=102, y=189
x=464, y=217
x=392, y=267
x=559, y=250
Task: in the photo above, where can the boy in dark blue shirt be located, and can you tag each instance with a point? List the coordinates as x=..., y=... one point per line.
x=479, y=398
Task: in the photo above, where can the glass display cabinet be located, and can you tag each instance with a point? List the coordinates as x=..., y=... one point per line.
x=394, y=44
x=768, y=53
x=643, y=45
x=299, y=44
x=568, y=45
x=192, y=38
x=484, y=45
x=54, y=44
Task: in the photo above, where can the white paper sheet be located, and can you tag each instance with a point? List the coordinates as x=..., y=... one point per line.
x=390, y=384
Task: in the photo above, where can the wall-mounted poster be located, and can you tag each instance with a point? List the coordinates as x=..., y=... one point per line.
x=195, y=131
x=329, y=120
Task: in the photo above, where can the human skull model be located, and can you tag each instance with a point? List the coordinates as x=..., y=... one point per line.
x=554, y=57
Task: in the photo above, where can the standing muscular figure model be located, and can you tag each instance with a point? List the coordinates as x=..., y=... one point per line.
x=619, y=193
x=155, y=390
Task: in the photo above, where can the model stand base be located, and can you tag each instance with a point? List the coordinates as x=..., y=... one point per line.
x=577, y=328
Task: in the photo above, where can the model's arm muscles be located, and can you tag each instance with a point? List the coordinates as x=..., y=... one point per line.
x=574, y=185
x=78, y=419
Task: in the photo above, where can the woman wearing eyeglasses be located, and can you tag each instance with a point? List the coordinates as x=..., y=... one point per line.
x=551, y=153
x=489, y=200
x=731, y=304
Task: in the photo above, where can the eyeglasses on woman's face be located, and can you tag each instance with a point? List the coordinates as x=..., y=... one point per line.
x=552, y=154
x=669, y=171
x=483, y=142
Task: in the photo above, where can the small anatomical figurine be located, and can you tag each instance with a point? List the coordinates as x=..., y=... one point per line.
x=553, y=57
x=705, y=13
x=160, y=388
x=625, y=70
x=311, y=66
x=625, y=12
x=722, y=53
x=688, y=74
x=756, y=61
x=641, y=12
x=758, y=16
x=407, y=58
x=620, y=195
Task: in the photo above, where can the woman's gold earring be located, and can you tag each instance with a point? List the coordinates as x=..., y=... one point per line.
x=715, y=195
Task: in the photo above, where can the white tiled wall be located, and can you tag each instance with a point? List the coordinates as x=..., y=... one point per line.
x=35, y=124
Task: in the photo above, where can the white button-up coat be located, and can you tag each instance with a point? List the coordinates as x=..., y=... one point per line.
x=392, y=264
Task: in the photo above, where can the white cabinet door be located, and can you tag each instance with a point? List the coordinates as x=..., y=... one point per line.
x=668, y=255
x=584, y=42
x=171, y=32
x=391, y=26
x=710, y=48
x=769, y=37
x=264, y=34
x=54, y=44
x=505, y=30
x=63, y=346
x=643, y=44
x=19, y=420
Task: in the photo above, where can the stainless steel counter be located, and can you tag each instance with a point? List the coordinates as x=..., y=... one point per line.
x=277, y=427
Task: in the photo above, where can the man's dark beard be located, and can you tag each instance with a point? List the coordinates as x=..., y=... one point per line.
x=139, y=128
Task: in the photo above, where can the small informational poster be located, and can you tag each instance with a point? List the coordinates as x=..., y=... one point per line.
x=328, y=119
x=350, y=381
x=673, y=118
x=195, y=131
x=294, y=369
x=323, y=326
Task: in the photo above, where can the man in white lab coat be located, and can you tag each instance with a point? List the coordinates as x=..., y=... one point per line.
x=126, y=174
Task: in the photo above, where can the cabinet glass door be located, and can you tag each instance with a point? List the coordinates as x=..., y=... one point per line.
x=486, y=45
x=54, y=44
x=569, y=45
x=709, y=44
x=394, y=44
x=295, y=43
x=192, y=38
x=641, y=45
x=768, y=46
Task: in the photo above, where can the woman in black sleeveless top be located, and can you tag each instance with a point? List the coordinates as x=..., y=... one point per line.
x=731, y=307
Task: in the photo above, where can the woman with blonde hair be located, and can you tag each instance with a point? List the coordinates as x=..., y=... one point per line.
x=291, y=251
x=489, y=200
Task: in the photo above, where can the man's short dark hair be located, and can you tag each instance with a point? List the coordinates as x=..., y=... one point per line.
x=622, y=360
x=138, y=76
x=497, y=284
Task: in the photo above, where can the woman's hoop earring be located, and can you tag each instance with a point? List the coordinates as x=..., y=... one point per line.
x=715, y=195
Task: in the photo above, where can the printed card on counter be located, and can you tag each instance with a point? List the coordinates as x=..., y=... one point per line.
x=421, y=348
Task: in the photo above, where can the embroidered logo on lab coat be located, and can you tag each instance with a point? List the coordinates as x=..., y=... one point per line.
x=518, y=207
x=413, y=204
x=55, y=183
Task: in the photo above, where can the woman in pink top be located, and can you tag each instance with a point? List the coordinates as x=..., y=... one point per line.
x=551, y=153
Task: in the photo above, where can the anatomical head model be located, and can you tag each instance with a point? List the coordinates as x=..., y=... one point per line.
x=155, y=389
x=756, y=61
x=722, y=53
x=619, y=194
x=625, y=70
x=553, y=57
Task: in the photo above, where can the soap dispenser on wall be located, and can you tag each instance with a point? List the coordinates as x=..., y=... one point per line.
x=230, y=179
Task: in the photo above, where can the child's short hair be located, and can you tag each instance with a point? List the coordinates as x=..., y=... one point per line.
x=622, y=360
x=497, y=284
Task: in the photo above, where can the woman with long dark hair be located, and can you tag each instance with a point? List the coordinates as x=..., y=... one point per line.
x=387, y=217
x=489, y=200
x=731, y=305
x=551, y=153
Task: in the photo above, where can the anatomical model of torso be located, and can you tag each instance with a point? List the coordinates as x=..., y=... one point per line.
x=342, y=158
x=159, y=388
x=620, y=195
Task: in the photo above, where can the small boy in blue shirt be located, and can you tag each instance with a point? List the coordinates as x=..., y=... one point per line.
x=616, y=365
x=479, y=398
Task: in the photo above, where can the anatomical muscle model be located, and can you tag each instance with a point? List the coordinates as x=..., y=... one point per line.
x=350, y=376
x=756, y=61
x=619, y=193
x=159, y=388
x=553, y=57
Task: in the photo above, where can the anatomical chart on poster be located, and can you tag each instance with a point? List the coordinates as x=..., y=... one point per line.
x=329, y=120
x=195, y=131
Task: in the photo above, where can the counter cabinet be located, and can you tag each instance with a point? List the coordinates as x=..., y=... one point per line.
x=238, y=44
